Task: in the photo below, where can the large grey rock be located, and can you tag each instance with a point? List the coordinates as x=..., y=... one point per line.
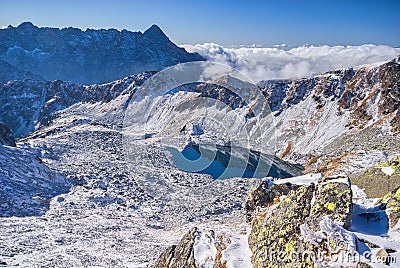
x=280, y=230
x=332, y=197
x=263, y=195
x=393, y=206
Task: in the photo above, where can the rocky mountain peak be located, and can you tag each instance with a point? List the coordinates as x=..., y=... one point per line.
x=155, y=33
x=27, y=25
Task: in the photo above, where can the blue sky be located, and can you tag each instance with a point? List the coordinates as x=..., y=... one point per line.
x=335, y=22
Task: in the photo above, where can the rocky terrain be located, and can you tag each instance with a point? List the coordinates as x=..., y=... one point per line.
x=91, y=175
x=86, y=57
x=339, y=122
x=82, y=146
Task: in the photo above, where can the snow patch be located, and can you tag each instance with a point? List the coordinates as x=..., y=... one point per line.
x=299, y=180
x=333, y=239
x=238, y=253
x=342, y=179
x=205, y=251
x=388, y=170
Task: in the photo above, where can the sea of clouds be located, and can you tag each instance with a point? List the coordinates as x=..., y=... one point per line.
x=283, y=62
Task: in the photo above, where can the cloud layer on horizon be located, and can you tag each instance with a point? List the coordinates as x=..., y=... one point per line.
x=263, y=63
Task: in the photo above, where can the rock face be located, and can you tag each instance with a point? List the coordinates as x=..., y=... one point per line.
x=332, y=197
x=392, y=199
x=331, y=118
x=181, y=255
x=279, y=231
x=90, y=56
x=6, y=136
x=262, y=194
x=9, y=72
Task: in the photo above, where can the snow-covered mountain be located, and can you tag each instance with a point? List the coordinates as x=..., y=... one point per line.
x=337, y=121
x=79, y=192
x=28, y=104
x=88, y=57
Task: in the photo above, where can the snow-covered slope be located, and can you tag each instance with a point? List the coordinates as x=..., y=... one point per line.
x=99, y=200
x=28, y=104
x=27, y=184
x=341, y=115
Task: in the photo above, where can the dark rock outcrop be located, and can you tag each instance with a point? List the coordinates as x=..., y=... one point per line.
x=262, y=195
x=6, y=136
x=181, y=255
x=166, y=257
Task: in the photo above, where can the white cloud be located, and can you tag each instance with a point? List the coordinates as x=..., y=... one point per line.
x=280, y=62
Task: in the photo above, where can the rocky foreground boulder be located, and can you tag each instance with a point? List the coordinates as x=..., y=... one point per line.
x=181, y=255
x=285, y=218
x=276, y=233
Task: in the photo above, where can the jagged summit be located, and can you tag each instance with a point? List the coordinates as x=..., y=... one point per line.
x=155, y=32
x=90, y=56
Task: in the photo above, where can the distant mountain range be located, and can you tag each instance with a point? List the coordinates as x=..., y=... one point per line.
x=86, y=57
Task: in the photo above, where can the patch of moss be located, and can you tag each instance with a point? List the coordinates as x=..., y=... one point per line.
x=333, y=199
x=375, y=182
x=330, y=206
x=393, y=163
x=395, y=123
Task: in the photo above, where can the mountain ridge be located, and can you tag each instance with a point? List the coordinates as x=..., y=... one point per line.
x=89, y=56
